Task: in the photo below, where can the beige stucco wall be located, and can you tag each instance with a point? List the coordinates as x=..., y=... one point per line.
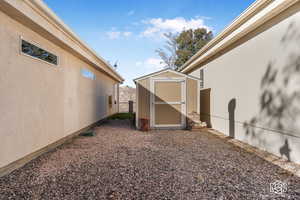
x=41, y=103
x=143, y=87
x=255, y=85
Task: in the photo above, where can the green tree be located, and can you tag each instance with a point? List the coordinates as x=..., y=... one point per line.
x=180, y=48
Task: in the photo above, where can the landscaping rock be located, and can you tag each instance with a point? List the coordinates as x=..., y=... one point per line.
x=121, y=163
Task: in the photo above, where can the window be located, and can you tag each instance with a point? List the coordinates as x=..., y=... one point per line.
x=201, y=78
x=36, y=52
x=88, y=74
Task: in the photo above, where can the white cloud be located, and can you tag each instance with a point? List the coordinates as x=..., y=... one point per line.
x=154, y=63
x=151, y=64
x=158, y=26
x=204, y=17
x=127, y=34
x=131, y=12
x=117, y=34
x=113, y=34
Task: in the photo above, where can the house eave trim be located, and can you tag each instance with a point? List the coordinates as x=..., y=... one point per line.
x=46, y=13
x=232, y=33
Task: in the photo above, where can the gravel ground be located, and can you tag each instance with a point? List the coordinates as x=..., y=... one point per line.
x=121, y=163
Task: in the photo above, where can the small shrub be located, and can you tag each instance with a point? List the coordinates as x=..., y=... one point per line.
x=122, y=116
x=88, y=133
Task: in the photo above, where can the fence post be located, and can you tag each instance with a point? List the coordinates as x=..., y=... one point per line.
x=130, y=103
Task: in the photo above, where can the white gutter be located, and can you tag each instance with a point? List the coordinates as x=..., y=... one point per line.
x=257, y=14
x=48, y=15
x=40, y=4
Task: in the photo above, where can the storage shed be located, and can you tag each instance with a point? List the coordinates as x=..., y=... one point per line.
x=166, y=99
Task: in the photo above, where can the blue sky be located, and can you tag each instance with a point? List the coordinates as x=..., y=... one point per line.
x=129, y=31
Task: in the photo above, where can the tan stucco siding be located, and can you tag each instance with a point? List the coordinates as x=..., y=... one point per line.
x=41, y=103
x=256, y=85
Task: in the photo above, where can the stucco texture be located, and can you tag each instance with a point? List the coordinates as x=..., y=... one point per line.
x=254, y=87
x=42, y=103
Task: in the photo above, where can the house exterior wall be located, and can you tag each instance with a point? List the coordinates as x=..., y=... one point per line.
x=41, y=103
x=254, y=87
x=143, y=95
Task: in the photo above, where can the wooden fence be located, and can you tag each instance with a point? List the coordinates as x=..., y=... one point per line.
x=127, y=106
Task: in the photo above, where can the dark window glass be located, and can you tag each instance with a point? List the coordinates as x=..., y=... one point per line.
x=201, y=78
x=34, y=51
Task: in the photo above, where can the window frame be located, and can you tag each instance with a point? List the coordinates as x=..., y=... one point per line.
x=39, y=46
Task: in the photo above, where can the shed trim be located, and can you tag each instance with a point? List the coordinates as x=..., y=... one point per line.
x=137, y=106
x=162, y=71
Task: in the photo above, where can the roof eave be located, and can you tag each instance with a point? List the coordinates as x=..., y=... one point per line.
x=45, y=9
x=255, y=8
x=161, y=71
x=45, y=12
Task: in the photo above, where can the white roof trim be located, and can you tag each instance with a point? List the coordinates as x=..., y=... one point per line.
x=257, y=14
x=163, y=71
x=73, y=35
x=43, y=11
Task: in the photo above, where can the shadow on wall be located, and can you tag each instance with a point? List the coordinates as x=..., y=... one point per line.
x=231, y=110
x=280, y=95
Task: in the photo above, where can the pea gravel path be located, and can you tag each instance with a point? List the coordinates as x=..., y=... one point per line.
x=121, y=163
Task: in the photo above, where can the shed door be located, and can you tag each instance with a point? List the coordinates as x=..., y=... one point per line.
x=168, y=103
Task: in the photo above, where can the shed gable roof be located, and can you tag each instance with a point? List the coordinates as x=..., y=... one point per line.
x=163, y=71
